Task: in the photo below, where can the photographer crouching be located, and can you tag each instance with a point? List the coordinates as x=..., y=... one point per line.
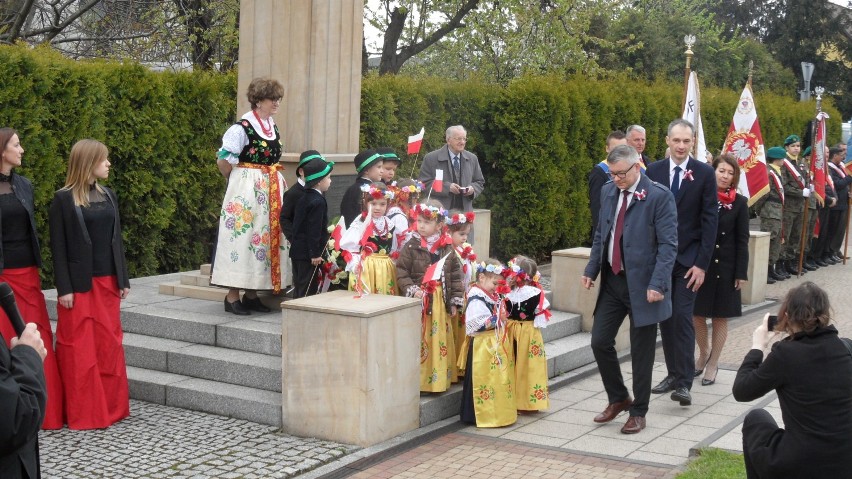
x=811, y=371
x=22, y=404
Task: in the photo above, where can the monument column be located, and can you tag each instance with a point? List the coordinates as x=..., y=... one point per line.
x=313, y=47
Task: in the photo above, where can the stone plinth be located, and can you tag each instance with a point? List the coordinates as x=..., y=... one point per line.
x=569, y=294
x=314, y=49
x=482, y=233
x=350, y=367
x=754, y=290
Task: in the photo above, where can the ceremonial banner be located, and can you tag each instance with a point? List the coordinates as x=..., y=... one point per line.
x=745, y=142
x=818, y=157
x=692, y=114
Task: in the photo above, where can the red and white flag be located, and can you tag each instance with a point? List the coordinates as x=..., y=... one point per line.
x=438, y=183
x=745, y=142
x=337, y=232
x=692, y=114
x=415, y=141
x=435, y=270
x=818, y=157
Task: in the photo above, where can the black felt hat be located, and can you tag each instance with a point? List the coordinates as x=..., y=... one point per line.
x=366, y=159
x=388, y=154
x=315, y=170
x=307, y=156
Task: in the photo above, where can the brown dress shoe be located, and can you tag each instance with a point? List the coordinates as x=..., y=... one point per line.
x=633, y=425
x=613, y=409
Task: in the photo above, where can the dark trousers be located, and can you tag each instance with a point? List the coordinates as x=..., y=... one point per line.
x=678, y=332
x=467, y=414
x=759, y=432
x=304, y=278
x=837, y=224
x=819, y=246
x=613, y=305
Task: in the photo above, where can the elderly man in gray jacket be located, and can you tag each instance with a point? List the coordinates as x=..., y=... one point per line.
x=459, y=170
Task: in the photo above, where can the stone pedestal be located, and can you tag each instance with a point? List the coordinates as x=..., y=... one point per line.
x=754, y=290
x=569, y=294
x=314, y=49
x=350, y=367
x=482, y=234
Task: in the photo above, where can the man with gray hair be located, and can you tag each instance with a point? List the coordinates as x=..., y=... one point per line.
x=636, y=139
x=639, y=216
x=457, y=169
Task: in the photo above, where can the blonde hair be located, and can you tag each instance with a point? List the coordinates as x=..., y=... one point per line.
x=85, y=156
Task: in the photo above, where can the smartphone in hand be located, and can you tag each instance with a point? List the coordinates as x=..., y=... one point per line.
x=772, y=322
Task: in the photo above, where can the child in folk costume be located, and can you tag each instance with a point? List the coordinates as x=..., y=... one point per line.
x=459, y=225
x=488, y=390
x=423, y=272
x=529, y=311
x=406, y=194
x=370, y=240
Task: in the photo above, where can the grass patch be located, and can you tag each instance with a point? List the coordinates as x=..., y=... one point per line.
x=715, y=464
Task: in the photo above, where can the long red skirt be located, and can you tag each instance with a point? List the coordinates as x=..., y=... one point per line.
x=91, y=357
x=26, y=285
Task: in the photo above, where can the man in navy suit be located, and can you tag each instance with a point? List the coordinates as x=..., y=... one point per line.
x=693, y=184
x=638, y=217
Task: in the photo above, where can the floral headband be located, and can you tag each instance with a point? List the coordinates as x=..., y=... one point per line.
x=405, y=192
x=481, y=267
x=520, y=275
x=461, y=218
x=430, y=212
x=374, y=193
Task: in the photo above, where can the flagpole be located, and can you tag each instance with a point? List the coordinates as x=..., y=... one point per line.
x=750, y=73
x=846, y=242
x=805, y=233
x=689, y=40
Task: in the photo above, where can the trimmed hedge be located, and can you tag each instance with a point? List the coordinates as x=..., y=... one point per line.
x=536, y=139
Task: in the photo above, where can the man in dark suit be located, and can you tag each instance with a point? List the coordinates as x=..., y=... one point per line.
x=23, y=396
x=837, y=216
x=693, y=184
x=639, y=216
x=598, y=177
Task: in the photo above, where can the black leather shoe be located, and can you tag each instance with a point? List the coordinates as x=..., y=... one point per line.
x=665, y=386
x=781, y=269
x=793, y=268
x=837, y=258
x=810, y=265
x=255, y=304
x=771, y=278
x=682, y=395
x=829, y=260
x=236, y=307
x=820, y=263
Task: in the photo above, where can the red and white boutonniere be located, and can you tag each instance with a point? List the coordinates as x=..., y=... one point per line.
x=640, y=195
x=727, y=206
x=687, y=175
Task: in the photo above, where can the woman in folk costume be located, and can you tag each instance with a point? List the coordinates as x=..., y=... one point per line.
x=370, y=243
x=529, y=311
x=459, y=225
x=406, y=193
x=250, y=252
x=90, y=272
x=488, y=392
x=20, y=265
x=424, y=272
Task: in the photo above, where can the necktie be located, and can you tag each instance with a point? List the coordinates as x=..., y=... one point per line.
x=619, y=229
x=456, y=168
x=676, y=180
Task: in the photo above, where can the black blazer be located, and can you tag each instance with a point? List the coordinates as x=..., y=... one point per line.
x=697, y=210
x=730, y=257
x=352, y=203
x=72, y=248
x=841, y=188
x=310, y=226
x=288, y=209
x=812, y=374
x=597, y=178
x=23, y=396
x=23, y=190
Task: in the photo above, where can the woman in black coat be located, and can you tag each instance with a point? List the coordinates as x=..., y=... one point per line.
x=811, y=371
x=719, y=296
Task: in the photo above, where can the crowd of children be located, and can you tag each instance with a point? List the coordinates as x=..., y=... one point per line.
x=481, y=321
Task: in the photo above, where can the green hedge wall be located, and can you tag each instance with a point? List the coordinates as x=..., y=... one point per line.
x=162, y=130
x=536, y=139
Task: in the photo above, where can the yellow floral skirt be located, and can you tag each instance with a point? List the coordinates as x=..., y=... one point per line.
x=378, y=275
x=438, y=367
x=492, y=377
x=459, y=333
x=530, y=366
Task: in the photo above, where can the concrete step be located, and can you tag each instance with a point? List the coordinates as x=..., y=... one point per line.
x=206, y=269
x=561, y=324
x=195, y=278
x=564, y=354
x=178, y=288
x=229, y=400
x=259, y=371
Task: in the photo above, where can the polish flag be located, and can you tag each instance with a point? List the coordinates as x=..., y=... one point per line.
x=337, y=233
x=415, y=141
x=745, y=142
x=434, y=271
x=438, y=183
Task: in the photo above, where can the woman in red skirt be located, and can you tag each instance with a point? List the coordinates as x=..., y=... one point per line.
x=20, y=261
x=91, y=280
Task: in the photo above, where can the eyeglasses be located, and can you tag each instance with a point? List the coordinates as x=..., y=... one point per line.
x=620, y=174
x=457, y=138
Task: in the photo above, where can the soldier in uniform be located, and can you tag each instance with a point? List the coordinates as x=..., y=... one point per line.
x=796, y=193
x=770, y=209
x=813, y=210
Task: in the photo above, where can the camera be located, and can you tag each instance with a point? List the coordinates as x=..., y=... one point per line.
x=772, y=322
